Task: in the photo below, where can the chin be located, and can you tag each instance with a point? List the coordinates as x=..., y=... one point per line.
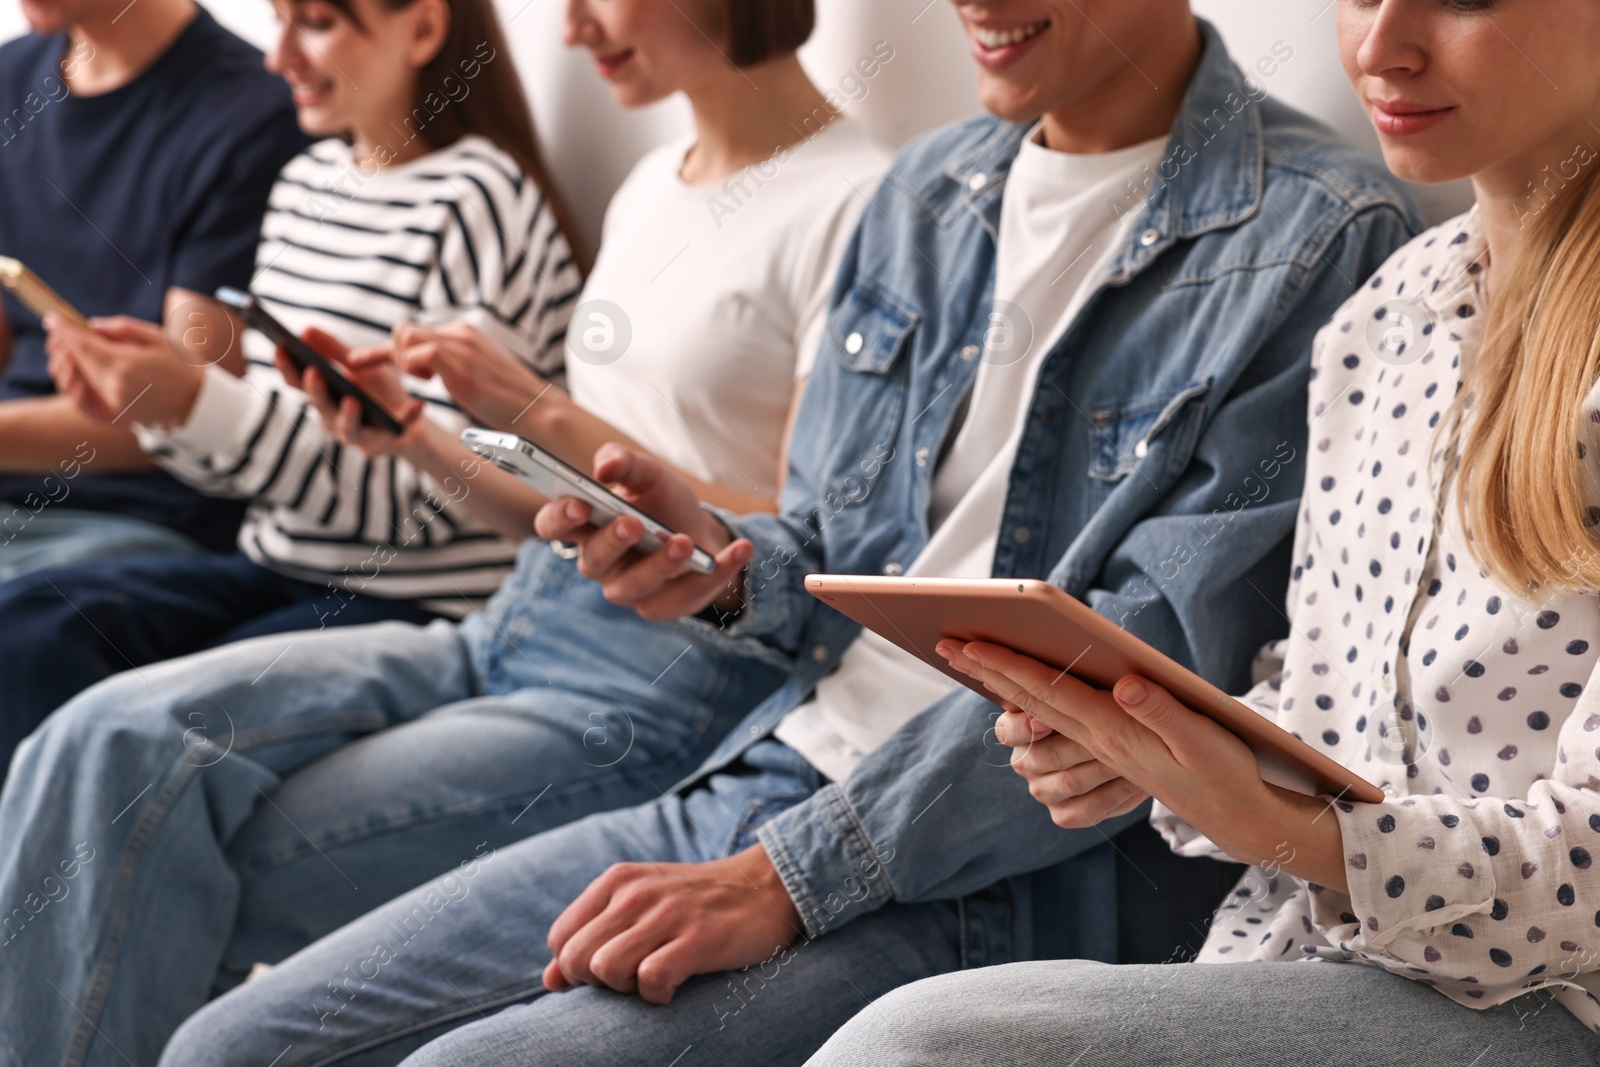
x=1005, y=101
x=44, y=18
x=316, y=123
x=632, y=95
x=1422, y=167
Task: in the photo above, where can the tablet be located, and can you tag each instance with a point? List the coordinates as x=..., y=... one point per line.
x=303, y=356
x=1042, y=621
x=35, y=294
x=556, y=479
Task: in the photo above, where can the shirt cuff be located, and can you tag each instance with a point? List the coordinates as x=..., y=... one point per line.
x=1411, y=865
x=829, y=865
x=224, y=411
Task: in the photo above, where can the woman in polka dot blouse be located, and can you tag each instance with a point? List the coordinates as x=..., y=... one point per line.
x=1444, y=635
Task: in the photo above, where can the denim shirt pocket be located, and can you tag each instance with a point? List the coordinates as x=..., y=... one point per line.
x=868, y=331
x=1159, y=430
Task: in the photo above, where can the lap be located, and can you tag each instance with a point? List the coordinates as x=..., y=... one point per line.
x=59, y=537
x=1046, y=1013
x=473, y=941
x=263, y=698
x=378, y=816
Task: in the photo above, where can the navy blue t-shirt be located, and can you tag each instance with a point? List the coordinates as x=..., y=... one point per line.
x=116, y=198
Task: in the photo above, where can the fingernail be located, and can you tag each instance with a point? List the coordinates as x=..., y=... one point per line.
x=1131, y=692
x=679, y=551
x=574, y=512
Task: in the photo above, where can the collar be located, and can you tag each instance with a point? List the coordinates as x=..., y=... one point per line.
x=1210, y=176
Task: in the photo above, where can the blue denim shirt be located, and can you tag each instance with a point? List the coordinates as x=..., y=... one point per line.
x=1158, y=475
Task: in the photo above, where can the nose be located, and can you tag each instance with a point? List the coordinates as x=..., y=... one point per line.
x=285, y=55
x=1393, y=42
x=580, y=29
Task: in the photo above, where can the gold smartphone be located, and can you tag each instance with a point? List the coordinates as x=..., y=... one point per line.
x=39, y=297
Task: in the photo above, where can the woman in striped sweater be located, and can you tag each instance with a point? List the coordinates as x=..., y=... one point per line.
x=426, y=204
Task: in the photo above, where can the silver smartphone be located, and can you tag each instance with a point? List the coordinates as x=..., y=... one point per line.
x=556, y=479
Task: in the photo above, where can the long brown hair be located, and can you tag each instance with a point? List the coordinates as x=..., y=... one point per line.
x=1524, y=485
x=496, y=109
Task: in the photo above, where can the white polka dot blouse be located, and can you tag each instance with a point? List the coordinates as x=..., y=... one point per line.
x=1471, y=706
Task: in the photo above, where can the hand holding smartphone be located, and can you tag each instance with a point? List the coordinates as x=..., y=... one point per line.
x=555, y=479
x=306, y=358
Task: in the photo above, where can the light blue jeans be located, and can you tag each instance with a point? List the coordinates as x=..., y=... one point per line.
x=60, y=537
x=1054, y=1014
x=174, y=825
x=448, y=975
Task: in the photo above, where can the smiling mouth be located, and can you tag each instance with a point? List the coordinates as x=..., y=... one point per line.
x=309, y=92
x=994, y=39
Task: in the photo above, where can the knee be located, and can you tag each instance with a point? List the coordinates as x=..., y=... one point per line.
x=915, y=1024
x=112, y=720
x=211, y=1039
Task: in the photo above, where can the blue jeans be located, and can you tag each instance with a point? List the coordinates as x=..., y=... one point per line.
x=1050, y=1014
x=65, y=628
x=449, y=974
x=169, y=828
x=61, y=537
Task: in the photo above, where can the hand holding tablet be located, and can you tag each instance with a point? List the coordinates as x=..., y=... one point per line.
x=1041, y=621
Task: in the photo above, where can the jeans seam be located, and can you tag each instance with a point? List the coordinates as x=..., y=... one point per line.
x=510, y=995
x=150, y=821
x=456, y=812
x=106, y=964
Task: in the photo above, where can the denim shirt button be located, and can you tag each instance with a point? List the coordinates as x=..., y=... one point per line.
x=970, y=353
x=1149, y=237
x=820, y=653
x=755, y=731
x=1022, y=535
x=977, y=181
x=892, y=569
x=922, y=456
x=853, y=343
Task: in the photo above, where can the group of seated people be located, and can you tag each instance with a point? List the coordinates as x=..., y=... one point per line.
x=328, y=744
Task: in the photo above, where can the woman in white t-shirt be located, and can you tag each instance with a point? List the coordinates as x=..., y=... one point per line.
x=693, y=337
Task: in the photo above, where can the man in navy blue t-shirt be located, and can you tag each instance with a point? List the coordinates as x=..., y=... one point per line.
x=138, y=144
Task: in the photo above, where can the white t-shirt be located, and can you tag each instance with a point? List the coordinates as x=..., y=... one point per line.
x=1057, y=230
x=707, y=302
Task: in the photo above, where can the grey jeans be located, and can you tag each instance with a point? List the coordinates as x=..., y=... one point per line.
x=1077, y=1014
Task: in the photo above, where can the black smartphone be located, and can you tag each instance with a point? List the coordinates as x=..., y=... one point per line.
x=306, y=358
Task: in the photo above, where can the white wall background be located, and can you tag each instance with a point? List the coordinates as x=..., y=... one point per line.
x=591, y=143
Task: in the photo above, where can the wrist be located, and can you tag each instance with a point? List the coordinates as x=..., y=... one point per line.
x=757, y=866
x=183, y=394
x=544, y=417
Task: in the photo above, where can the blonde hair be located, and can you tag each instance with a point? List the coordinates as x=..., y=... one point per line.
x=1524, y=487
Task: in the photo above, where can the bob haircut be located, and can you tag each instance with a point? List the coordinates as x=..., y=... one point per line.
x=759, y=30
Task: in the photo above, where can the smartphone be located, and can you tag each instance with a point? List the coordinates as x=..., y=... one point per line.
x=556, y=479
x=306, y=358
x=35, y=294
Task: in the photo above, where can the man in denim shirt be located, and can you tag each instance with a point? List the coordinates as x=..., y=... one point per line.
x=1154, y=474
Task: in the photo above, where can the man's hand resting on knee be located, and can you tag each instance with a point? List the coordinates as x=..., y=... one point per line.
x=647, y=928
